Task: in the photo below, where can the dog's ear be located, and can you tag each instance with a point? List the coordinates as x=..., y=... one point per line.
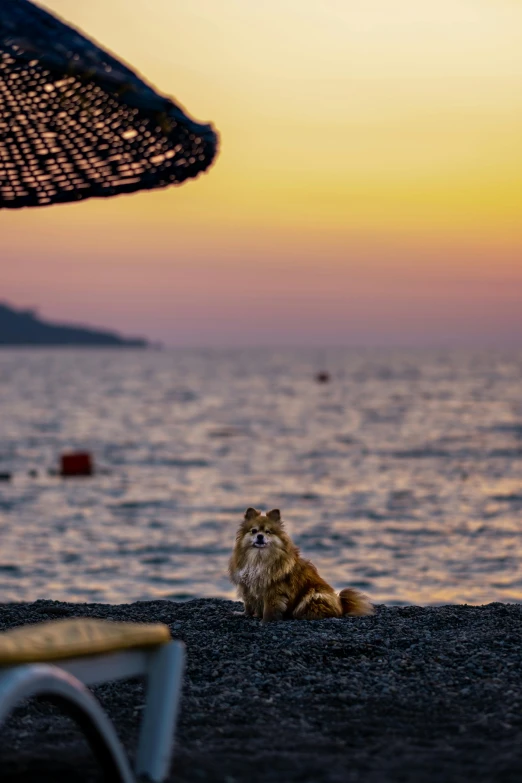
x=274, y=515
x=251, y=513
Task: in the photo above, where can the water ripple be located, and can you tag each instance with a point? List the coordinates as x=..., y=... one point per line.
x=402, y=476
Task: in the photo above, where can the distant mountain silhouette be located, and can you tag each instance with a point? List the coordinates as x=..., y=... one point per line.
x=23, y=327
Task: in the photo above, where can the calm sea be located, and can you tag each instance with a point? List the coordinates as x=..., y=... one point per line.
x=402, y=476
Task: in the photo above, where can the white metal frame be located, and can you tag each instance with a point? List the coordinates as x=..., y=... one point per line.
x=65, y=682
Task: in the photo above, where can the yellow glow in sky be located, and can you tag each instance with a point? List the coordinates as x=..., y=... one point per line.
x=360, y=140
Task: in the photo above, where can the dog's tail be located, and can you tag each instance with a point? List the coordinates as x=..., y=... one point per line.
x=355, y=604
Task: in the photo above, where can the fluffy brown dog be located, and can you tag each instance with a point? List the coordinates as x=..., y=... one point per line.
x=275, y=582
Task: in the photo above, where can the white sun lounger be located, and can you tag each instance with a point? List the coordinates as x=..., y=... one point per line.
x=56, y=660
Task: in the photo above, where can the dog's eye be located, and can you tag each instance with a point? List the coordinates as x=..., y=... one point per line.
x=254, y=531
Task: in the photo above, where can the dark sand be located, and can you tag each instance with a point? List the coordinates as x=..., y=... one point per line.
x=411, y=694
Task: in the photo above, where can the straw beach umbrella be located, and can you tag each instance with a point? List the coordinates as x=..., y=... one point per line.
x=75, y=123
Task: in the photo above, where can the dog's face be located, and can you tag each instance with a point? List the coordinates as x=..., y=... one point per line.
x=263, y=532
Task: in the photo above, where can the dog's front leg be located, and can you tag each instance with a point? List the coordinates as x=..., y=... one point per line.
x=273, y=610
x=250, y=606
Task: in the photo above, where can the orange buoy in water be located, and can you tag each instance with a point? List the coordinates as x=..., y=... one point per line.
x=322, y=377
x=76, y=464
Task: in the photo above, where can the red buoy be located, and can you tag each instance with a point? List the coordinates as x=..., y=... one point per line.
x=77, y=464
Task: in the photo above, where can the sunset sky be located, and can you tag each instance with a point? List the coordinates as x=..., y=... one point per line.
x=368, y=188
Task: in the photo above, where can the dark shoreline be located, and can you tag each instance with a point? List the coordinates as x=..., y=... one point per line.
x=412, y=694
x=23, y=328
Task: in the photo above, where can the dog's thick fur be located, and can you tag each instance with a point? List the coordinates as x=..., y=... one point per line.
x=276, y=583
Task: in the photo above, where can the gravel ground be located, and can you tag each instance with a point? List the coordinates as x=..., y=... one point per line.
x=411, y=694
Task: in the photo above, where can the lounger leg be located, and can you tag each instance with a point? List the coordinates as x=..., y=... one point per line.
x=22, y=682
x=165, y=673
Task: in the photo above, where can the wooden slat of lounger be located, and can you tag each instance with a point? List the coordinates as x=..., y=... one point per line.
x=77, y=637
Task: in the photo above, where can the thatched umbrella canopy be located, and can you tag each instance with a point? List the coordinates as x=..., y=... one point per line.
x=76, y=123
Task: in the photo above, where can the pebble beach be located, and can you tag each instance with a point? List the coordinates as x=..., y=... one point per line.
x=411, y=694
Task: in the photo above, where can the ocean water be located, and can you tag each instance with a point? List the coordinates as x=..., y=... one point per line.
x=402, y=476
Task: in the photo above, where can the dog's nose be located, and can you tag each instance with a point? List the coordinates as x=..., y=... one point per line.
x=260, y=538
